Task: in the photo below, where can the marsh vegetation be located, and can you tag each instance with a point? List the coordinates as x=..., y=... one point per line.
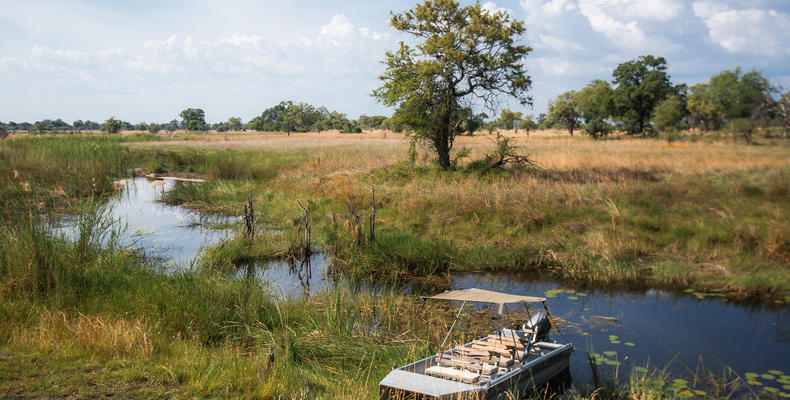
x=703, y=216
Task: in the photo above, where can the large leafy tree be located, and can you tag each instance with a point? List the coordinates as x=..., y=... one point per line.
x=641, y=85
x=595, y=102
x=462, y=52
x=112, y=125
x=565, y=110
x=193, y=119
x=508, y=119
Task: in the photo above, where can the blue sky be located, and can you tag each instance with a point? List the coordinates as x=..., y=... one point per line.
x=145, y=61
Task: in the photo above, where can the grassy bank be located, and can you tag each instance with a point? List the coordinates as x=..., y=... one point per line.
x=704, y=215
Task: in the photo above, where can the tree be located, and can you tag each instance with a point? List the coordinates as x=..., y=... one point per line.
x=461, y=52
x=112, y=125
x=234, y=124
x=509, y=119
x=641, y=85
x=783, y=110
x=595, y=101
x=193, y=119
x=737, y=94
x=704, y=112
x=564, y=110
x=154, y=127
x=528, y=124
x=596, y=105
x=668, y=114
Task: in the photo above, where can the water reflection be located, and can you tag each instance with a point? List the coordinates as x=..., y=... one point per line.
x=293, y=277
x=170, y=233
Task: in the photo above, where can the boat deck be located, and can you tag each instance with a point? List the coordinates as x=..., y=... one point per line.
x=482, y=360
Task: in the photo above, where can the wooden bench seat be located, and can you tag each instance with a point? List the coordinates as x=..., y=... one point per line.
x=453, y=373
x=473, y=365
x=493, y=349
x=472, y=351
x=507, y=341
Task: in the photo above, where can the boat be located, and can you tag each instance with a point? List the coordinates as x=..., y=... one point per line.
x=509, y=362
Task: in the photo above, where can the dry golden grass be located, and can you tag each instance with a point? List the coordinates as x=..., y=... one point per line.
x=348, y=153
x=103, y=336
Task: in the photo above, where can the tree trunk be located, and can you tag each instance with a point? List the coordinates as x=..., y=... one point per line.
x=444, y=156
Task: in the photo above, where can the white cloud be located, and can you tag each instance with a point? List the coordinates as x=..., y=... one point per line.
x=492, y=8
x=624, y=21
x=751, y=31
x=556, y=7
x=338, y=28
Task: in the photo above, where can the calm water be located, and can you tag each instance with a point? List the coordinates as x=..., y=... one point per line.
x=659, y=328
x=174, y=234
x=624, y=329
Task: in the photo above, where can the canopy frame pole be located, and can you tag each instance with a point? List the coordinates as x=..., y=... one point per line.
x=512, y=332
x=533, y=337
x=441, y=347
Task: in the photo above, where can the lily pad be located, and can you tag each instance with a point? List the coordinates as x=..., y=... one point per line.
x=630, y=344
x=751, y=375
x=611, y=362
x=771, y=389
x=767, y=376
x=776, y=372
x=680, y=382
x=754, y=383
x=614, y=342
x=610, y=353
x=573, y=298
x=786, y=387
x=699, y=392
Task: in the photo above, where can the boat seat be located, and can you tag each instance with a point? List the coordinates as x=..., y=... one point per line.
x=452, y=373
x=470, y=351
x=491, y=348
x=507, y=341
x=473, y=365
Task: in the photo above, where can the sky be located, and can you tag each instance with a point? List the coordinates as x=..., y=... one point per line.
x=146, y=60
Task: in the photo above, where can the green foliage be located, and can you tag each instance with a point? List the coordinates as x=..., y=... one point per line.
x=509, y=119
x=668, y=114
x=234, y=124
x=112, y=125
x=527, y=124
x=641, y=85
x=598, y=128
x=595, y=101
x=461, y=51
x=727, y=96
x=154, y=127
x=193, y=119
x=565, y=110
x=302, y=117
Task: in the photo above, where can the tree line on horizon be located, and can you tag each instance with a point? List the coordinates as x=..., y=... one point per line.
x=286, y=116
x=639, y=100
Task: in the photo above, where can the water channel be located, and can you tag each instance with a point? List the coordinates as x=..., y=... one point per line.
x=622, y=330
